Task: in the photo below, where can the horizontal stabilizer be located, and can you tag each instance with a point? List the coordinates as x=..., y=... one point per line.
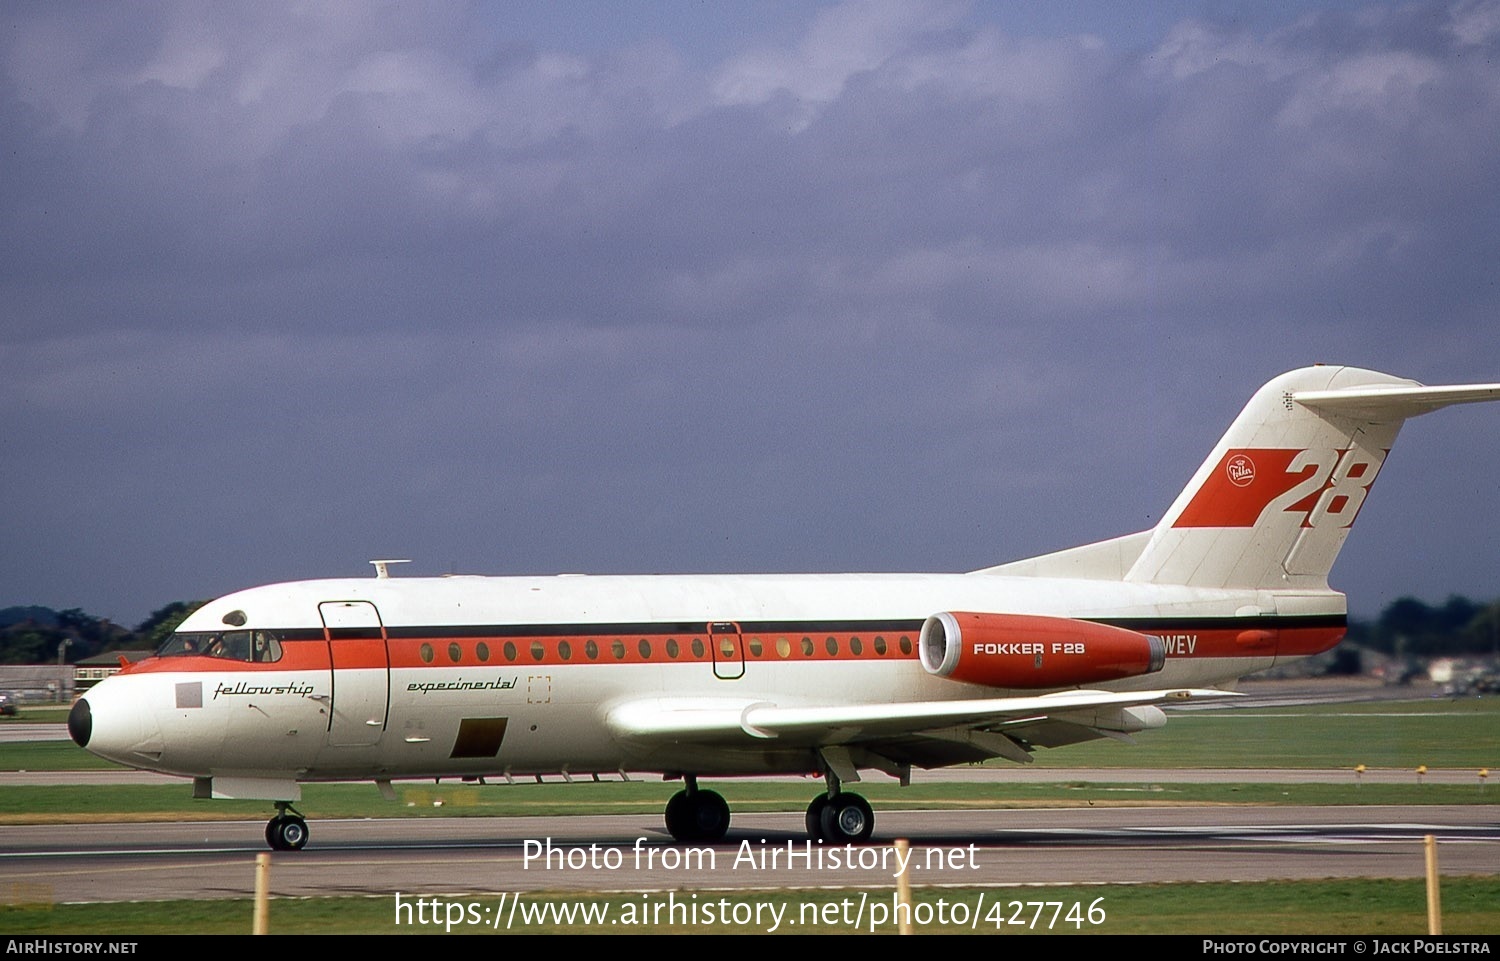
x=1387, y=402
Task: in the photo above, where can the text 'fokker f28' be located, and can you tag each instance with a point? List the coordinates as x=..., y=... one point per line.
x=697, y=676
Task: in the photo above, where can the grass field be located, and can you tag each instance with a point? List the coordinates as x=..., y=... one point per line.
x=1437, y=732
x=41, y=714
x=25, y=804
x=50, y=756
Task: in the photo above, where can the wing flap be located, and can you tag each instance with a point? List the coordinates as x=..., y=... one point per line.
x=716, y=720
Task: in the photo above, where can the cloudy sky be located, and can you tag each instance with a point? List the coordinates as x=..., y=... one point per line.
x=682, y=286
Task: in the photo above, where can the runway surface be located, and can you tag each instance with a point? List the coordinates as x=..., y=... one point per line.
x=131, y=862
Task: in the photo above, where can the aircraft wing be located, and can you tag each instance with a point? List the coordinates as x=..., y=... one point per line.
x=927, y=733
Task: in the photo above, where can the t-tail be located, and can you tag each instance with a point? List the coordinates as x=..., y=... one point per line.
x=1271, y=506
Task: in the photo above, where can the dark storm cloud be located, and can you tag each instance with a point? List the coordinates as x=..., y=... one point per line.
x=283, y=287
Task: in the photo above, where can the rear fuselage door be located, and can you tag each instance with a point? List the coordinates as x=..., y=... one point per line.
x=361, y=672
x=728, y=650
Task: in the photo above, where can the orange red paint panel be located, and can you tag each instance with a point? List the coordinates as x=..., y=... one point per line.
x=1240, y=487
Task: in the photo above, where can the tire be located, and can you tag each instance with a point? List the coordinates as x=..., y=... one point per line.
x=847, y=819
x=679, y=821
x=815, y=817
x=289, y=835
x=710, y=816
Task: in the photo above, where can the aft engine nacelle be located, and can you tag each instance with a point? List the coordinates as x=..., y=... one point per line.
x=1033, y=651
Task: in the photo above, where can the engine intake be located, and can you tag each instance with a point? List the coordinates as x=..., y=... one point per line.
x=1033, y=651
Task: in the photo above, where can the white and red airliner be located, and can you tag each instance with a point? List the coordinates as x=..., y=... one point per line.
x=695, y=676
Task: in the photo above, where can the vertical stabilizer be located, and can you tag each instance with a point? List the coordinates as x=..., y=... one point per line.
x=1271, y=506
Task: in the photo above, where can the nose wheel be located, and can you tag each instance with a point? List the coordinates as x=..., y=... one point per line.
x=287, y=831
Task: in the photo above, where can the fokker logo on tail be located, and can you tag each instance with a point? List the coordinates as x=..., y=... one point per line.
x=1240, y=470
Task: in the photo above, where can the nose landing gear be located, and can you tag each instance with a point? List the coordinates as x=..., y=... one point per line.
x=287, y=831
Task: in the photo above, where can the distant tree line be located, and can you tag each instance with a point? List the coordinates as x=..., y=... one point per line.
x=1407, y=627
x=33, y=635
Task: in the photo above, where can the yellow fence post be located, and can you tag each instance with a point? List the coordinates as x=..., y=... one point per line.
x=1434, y=899
x=262, y=893
x=903, y=888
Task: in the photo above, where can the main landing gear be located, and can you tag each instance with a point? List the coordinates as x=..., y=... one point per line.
x=838, y=817
x=694, y=815
x=287, y=831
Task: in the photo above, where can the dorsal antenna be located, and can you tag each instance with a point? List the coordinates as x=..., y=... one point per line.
x=382, y=568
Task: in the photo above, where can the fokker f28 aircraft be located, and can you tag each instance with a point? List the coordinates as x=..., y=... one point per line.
x=696, y=676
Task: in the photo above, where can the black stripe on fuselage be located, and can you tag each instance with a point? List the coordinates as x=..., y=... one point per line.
x=648, y=628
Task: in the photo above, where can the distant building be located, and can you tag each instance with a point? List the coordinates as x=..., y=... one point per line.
x=37, y=682
x=92, y=670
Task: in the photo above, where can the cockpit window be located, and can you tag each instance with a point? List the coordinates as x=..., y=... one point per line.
x=261, y=646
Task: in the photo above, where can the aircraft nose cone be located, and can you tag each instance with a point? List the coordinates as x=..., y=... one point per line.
x=81, y=722
x=114, y=721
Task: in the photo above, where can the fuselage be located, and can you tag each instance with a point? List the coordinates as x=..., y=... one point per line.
x=472, y=676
